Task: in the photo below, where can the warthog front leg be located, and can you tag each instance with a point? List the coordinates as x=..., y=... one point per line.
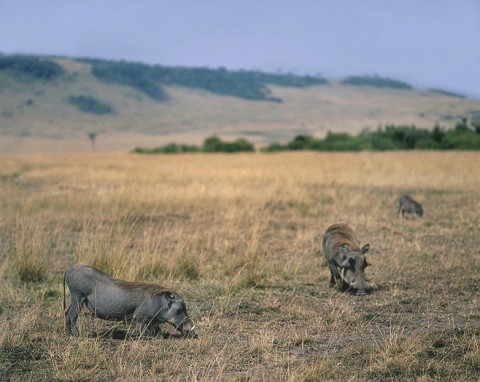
x=335, y=277
x=145, y=325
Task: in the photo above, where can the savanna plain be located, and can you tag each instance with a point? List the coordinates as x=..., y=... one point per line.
x=239, y=237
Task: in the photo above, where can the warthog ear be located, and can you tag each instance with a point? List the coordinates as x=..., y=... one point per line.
x=365, y=248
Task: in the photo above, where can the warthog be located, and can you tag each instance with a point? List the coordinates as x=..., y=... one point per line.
x=145, y=305
x=345, y=259
x=407, y=204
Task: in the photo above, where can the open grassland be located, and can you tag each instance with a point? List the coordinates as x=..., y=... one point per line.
x=239, y=236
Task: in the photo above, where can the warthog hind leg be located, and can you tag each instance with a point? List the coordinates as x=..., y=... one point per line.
x=71, y=314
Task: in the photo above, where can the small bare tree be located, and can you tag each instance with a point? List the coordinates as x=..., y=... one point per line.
x=92, y=136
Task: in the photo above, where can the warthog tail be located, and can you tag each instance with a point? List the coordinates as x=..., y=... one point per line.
x=64, y=303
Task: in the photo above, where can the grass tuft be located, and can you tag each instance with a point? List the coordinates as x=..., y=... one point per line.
x=32, y=246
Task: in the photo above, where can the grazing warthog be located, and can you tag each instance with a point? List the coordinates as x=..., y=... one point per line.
x=145, y=305
x=345, y=259
x=407, y=204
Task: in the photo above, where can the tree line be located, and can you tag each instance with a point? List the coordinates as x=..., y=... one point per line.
x=375, y=81
x=31, y=67
x=210, y=145
x=465, y=136
x=149, y=79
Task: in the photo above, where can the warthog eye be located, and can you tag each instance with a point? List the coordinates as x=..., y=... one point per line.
x=348, y=263
x=170, y=297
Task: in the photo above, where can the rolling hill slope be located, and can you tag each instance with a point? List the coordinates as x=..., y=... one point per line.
x=38, y=114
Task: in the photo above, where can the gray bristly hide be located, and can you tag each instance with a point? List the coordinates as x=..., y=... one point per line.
x=145, y=305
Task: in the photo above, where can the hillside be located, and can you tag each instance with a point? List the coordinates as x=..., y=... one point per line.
x=132, y=105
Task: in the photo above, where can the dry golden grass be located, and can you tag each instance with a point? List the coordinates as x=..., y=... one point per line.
x=239, y=237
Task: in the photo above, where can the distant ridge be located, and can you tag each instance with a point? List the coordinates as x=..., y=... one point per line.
x=56, y=102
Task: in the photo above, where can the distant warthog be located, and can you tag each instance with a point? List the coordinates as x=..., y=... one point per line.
x=407, y=204
x=145, y=305
x=345, y=259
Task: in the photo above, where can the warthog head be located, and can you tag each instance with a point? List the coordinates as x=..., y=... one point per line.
x=419, y=211
x=176, y=313
x=353, y=269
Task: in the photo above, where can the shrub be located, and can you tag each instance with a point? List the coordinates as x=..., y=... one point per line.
x=302, y=142
x=171, y=148
x=31, y=246
x=240, y=144
x=216, y=145
x=89, y=104
x=274, y=147
x=212, y=145
x=467, y=140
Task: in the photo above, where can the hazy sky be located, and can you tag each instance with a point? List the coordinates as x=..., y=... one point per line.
x=428, y=43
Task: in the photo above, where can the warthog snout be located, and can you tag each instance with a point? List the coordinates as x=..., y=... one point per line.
x=360, y=286
x=363, y=292
x=187, y=327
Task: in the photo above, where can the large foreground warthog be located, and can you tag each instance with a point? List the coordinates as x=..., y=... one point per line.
x=346, y=260
x=145, y=305
x=407, y=204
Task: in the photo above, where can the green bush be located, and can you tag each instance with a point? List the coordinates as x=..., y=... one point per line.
x=171, y=148
x=216, y=145
x=302, y=142
x=467, y=140
x=392, y=137
x=382, y=143
x=273, y=147
x=89, y=104
x=212, y=145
